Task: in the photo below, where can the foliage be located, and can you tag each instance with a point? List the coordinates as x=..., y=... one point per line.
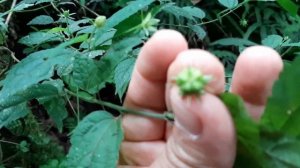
x=58, y=63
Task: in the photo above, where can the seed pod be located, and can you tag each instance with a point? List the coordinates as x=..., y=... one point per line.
x=192, y=82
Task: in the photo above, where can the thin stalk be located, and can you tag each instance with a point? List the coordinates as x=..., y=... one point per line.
x=168, y=116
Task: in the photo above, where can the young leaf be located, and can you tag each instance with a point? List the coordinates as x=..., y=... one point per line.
x=96, y=141
x=41, y=20
x=229, y=3
x=122, y=75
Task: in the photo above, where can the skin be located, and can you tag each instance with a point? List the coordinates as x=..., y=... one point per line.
x=203, y=135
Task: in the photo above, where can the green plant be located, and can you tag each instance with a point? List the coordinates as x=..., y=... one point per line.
x=64, y=68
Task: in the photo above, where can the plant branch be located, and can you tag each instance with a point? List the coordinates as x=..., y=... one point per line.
x=11, y=11
x=168, y=116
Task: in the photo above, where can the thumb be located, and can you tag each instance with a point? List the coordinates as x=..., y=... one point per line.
x=203, y=135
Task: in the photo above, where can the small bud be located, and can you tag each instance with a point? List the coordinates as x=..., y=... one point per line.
x=100, y=21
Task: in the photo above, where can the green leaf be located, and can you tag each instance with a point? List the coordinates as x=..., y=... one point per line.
x=96, y=141
x=31, y=92
x=249, y=152
x=229, y=3
x=88, y=75
x=13, y=113
x=233, y=42
x=177, y=11
x=55, y=105
x=282, y=151
x=39, y=38
x=195, y=12
x=33, y=69
x=291, y=44
x=123, y=75
x=282, y=112
x=289, y=5
x=41, y=20
x=91, y=75
x=272, y=41
x=200, y=32
x=125, y=12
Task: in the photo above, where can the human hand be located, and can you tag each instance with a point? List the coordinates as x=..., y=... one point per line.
x=203, y=134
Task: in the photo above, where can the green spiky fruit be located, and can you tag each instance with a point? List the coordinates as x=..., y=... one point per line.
x=192, y=82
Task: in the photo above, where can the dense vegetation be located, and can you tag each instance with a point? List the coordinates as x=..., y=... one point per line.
x=65, y=68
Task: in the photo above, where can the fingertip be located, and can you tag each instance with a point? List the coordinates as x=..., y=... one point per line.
x=207, y=63
x=255, y=72
x=158, y=53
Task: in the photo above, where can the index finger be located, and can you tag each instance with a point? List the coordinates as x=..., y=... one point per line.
x=147, y=86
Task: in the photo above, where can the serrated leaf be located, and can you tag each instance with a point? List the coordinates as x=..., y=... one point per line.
x=13, y=113
x=123, y=75
x=96, y=141
x=41, y=20
x=272, y=41
x=39, y=38
x=200, y=32
x=195, y=11
x=229, y=3
x=30, y=71
x=282, y=111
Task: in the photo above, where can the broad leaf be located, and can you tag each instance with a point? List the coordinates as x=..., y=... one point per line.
x=282, y=111
x=96, y=141
x=122, y=75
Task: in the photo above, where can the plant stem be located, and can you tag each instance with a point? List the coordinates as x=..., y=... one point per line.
x=11, y=11
x=168, y=116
